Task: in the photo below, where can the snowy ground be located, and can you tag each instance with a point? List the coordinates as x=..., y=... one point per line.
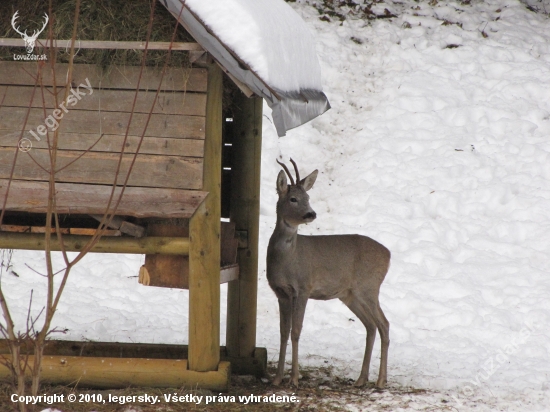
x=437, y=146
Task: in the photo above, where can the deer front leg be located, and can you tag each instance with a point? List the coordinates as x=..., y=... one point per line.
x=298, y=312
x=285, y=312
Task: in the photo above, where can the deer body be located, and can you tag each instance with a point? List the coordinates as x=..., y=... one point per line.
x=346, y=267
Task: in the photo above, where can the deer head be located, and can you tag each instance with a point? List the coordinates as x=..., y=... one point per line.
x=30, y=41
x=293, y=205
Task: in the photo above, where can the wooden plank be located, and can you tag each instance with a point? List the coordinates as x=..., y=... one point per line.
x=245, y=213
x=112, y=143
x=42, y=229
x=84, y=121
x=107, y=100
x=75, y=243
x=229, y=273
x=139, y=202
x=124, y=372
x=115, y=77
x=91, y=232
x=229, y=244
x=106, y=45
x=122, y=226
x=63, y=230
x=15, y=228
x=256, y=365
x=204, y=254
x=153, y=171
x=168, y=271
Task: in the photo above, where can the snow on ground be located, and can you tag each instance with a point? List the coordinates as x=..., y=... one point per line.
x=438, y=147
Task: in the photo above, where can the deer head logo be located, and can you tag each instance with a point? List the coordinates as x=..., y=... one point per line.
x=29, y=40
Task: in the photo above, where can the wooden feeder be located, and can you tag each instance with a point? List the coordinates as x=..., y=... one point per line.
x=172, y=206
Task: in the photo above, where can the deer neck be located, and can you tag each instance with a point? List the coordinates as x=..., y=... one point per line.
x=285, y=234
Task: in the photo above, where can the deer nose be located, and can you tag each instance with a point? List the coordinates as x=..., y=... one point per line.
x=310, y=215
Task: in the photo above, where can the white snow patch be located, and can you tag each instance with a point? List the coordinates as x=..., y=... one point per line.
x=443, y=155
x=269, y=36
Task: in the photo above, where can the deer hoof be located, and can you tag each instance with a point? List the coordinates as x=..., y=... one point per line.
x=380, y=384
x=360, y=382
x=277, y=381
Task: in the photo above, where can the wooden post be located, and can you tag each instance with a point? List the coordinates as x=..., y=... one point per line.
x=204, y=249
x=245, y=211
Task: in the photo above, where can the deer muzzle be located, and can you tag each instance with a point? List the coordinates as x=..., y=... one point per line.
x=310, y=216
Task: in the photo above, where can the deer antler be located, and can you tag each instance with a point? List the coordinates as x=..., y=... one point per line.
x=287, y=171
x=13, y=19
x=296, y=170
x=36, y=34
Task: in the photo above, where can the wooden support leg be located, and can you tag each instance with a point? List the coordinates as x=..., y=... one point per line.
x=204, y=234
x=245, y=210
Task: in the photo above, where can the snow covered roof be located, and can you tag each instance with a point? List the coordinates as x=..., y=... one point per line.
x=265, y=45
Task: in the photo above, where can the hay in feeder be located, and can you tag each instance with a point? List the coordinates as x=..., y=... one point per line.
x=114, y=20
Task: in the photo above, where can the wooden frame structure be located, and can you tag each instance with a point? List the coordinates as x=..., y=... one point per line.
x=174, y=192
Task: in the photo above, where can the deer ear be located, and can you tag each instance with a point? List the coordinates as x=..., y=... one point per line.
x=307, y=182
x=282, y=185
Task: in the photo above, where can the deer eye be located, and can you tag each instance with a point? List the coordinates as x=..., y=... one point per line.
x=293, y=200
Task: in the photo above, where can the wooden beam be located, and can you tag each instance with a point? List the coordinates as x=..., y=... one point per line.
x=105, y=44
x=75, y=243
x=229, y=273
x=166, y=146
x=121, y=373
x=117, y=222
x=98, y=122
x=72, y=198
x=244, y=88
x=168, y=271
x=170, y=172
x=245, y=212
x=204, y=230
x=117, y=77
x=108, y=100
x=256, y=365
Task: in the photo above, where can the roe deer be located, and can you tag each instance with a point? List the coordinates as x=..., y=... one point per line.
x=348, y=267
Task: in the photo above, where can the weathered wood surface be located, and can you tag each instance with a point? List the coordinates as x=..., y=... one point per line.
x=228, y=243
x=117, y=222
x=255, y=365
x=168, y=271
x=125, y=372
x=116, y=77
x=107, y=100
x=160, y=125
x=204, y=232
x=153, y=171
x=173, y=271
x=62, y=230
x=245, y=212
x=107, y=45
x=139, y=202
x=109, y=244
x=30, y=229
x=112, y=143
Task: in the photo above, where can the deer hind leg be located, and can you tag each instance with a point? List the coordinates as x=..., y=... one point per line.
x=384, y=329
x=285, y=313
x=366, y=318
x=298, y=312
